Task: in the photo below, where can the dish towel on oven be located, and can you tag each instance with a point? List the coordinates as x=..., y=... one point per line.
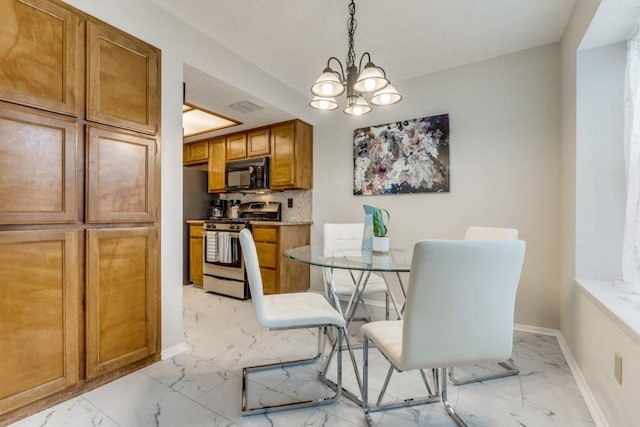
x=224, y=247
x=211, y=251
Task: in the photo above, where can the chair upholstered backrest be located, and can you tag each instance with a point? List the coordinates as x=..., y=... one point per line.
x=460, y=302
x=252, y=267
x=490, y=233
x=342, y=237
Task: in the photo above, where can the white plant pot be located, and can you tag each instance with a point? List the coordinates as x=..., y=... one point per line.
x=380, y=245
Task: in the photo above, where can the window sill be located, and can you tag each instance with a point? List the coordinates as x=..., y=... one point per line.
x=618, y=301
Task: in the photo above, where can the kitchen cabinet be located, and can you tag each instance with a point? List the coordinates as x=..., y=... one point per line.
x=196, y=254
x=253, y=143
x=40, y=68
x=123, y=87
x=258, y=143
x=217, y=161
x=291, y=156
x=281, y=275
x=38, y=314
x=79, y=201
x=236, y=146
x=120, y=176
x=288, y=144
x=194, y=153
x=122, y=297
x=37, y=172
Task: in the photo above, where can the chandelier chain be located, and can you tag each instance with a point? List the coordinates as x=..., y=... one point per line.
x=351, y=30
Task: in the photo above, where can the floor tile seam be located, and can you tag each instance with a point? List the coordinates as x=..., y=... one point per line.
x=230, y=376
x=99, y=409
x=331, y=414
x=191, y=399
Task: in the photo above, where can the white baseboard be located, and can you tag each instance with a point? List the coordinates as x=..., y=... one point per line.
x=168, y=353
x=589, y=399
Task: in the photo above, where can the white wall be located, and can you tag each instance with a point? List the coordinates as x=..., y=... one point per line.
x=181, y=44
x=505, y=161
x=600, y=176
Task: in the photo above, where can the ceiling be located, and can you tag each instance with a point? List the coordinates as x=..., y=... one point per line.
x=292, y=39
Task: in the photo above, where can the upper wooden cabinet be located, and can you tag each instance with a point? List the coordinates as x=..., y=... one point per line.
x=237, y=146
x=217, y=160
x=120, y=176
x=38, y=154
x=123, y=80
x=122, y=294
x=38, y=314
x=291, y=156
x=196, y=152
x=39, y=55
x=258, y=143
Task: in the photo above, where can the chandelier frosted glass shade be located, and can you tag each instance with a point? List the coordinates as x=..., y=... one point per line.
x=357, y=106
x=323, y=103
x=371, y=79
x=328, y=85
x=386, y=96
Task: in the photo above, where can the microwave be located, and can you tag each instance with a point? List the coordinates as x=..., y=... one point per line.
x=247, y=175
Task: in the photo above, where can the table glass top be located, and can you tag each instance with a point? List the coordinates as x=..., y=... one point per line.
x=397, y=260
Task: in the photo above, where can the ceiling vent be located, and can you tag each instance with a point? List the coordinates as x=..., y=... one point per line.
x=245, y=107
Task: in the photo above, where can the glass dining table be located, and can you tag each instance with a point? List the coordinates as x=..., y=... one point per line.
x=396, y=261
x=362, y=263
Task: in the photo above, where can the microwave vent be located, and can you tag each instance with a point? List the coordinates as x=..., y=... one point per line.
x=245, y=107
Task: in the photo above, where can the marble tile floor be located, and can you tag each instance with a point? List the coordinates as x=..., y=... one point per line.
x=201, y=387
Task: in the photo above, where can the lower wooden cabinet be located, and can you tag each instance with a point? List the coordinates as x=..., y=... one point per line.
x=196, y=232
x=281, y=275
x=38, y=315
x=122, y=297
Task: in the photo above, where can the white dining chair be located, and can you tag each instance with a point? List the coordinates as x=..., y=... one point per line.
x=508, y=367
x=342, y=239
x=300, y=310
x=459, y=311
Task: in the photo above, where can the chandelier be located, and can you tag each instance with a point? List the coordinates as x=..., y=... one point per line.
x=358, y=81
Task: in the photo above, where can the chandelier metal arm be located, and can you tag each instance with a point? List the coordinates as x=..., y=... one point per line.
x=342, y=75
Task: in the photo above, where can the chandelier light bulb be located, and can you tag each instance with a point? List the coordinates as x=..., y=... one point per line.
x=387, y=96
x=369, y=84
x=323, y=103
x=327, y=88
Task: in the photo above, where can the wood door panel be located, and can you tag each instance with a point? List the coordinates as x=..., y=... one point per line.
x=237, y=146
x=217, y=161
x=120, y=176
x=123, y=80
x=121, y=297
x=39, y=55
x=283, y=156
x=38, y=163
x=38, y=314
x=258, y=143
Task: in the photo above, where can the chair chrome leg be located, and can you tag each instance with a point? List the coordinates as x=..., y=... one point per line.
x=292, y=405
x=443, y=397
x=509, y=369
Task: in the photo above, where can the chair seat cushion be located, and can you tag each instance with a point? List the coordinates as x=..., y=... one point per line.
x=299, y=310
x=345, y=286
x=387, y=336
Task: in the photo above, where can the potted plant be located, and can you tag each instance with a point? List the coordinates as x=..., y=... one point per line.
x=380, y=244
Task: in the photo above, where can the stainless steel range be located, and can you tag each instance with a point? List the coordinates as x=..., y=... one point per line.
x=224, y=271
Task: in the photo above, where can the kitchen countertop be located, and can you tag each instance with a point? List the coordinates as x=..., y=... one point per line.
x=280, y=223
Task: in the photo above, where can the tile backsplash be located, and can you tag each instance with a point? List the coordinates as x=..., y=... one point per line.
x=300, y=211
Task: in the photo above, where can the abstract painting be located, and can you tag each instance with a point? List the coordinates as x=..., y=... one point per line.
x=411, y=156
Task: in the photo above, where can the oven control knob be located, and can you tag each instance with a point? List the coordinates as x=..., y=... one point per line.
x=234, y=227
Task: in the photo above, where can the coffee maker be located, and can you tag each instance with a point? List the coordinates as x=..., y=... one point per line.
x=218, y=209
